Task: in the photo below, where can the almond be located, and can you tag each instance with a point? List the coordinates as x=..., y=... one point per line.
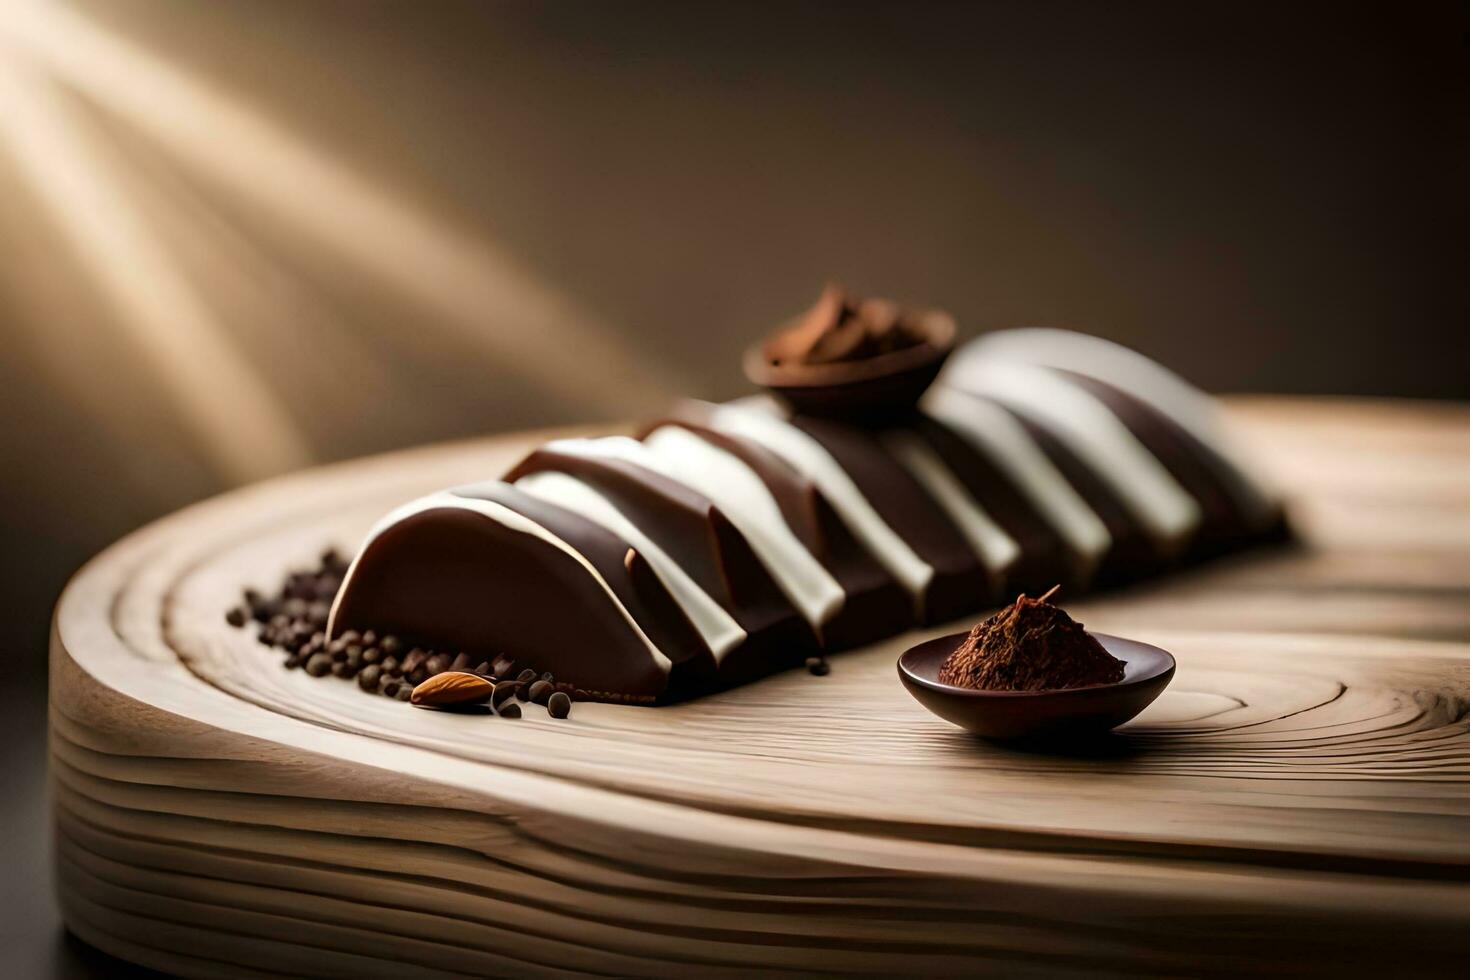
x=452, y=687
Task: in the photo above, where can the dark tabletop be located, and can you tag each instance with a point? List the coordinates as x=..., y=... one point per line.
x=35, y=943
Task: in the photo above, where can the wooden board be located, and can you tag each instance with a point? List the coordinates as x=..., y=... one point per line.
x=1297, y=801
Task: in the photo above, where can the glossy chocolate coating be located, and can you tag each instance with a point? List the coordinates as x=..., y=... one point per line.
x=461, y=581
x=961, y=583
x=624, y=569
x=1198, y=468
x=1045, y=558
x=709, y=548
x=876, y=605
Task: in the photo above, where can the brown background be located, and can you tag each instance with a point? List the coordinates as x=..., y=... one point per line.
x=1266, y=197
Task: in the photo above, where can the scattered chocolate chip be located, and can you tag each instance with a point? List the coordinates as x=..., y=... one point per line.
x=368, y=678
x=236, y=617
x=319, y=665
x=818, y=666
x=541, y=691
x=509, y=710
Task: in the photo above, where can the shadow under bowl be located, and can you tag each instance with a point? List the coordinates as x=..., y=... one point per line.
x=1065, y=713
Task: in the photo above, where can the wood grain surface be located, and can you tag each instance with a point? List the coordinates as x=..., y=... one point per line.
x=1297, y=802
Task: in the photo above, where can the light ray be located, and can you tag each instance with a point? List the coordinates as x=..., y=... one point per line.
x=240, y=423
x=470, y=284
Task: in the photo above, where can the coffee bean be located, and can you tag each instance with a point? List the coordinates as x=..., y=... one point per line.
x=502, y=666
x=527, y=676
x=504, y=691
x=390, y=645
x=414, y=661
x=461, y=662
x=292, y=662
x=559, y=705
x=404, y=693
x=437, y=664
x=818, y=666
x=389, y=685
x=354, y=658
x=548, y=678
x=336, y=646
x=369, y=638
x=541, y=691
x=236, y=617
x=509, y=710
x=372, y=655
x=343, y=669
x=317, y=613
x=319, y=665
x=391, y=667
x=368, y=678
x=351, y=636
x=484, y=669
x=295, y=608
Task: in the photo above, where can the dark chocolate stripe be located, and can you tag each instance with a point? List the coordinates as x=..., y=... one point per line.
x=961, y=582
x=1046, y=559
x=462, y=581
x=877, y=606
x=1133, y=553
x=1205, y=474
x=707, y=546
x=626, y=571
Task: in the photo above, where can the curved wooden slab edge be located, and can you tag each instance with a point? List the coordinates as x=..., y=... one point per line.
x=1298, y=800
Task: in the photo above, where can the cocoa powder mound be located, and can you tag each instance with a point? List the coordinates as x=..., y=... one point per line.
x=1030, y=645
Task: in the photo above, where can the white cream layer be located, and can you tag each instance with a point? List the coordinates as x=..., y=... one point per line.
x=515, y=522
x=719, y=630
x=1000, y=438
x=1144, y=379
x=813, y=461
x=743, y=497
x=996, y=549
x=1090, y=429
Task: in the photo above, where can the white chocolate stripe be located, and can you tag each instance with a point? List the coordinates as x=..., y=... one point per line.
x=997, y=436
x=996, y=549
x=507, y=518
x=719, y=630
x=743, y=497
x=1090, y=429
x=1149, y=382
x=812, y=460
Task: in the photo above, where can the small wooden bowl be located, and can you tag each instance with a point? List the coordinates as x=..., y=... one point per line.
x=872, y=388
x=1038, y=714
